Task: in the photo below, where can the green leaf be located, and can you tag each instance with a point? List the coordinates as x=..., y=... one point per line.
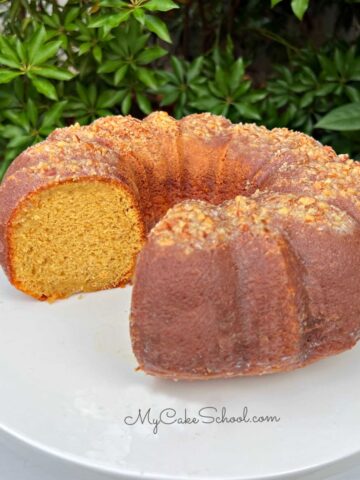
x=53, y=72
x=81, y=91
x=110, y=3
x=109, y=98
x=352, y=93
x=328, y=67
x=52, y=21
x=97, y=53
x=71, y=15
x=16, y=118
x=139, y=15
x=237, y=72
x=75, y=109
x=244, y=87
x=195, y=68
x=354, y=71
x=44, y=87
x=110, y=21
x=308, y=76
x=169, y=98
x=307, y=99
x=146, y=77
x=32, y=112
x=7, y=75
x=48, y=51
x=299, y=7
x=10, y=131
x=53, y=115
x=221, y=81
x=20, y=50
x=20, y=142
x=158, y=27
x=84, y=47
x=167, y=77
x=340, y=61
x=9, y=62
x=110, y=66
x=8, y=52
x=248, y=111
x=126, y=104
x=325, y=89
x=160, y=5
x=120, y=74
x=275, y=2
x=178, y=68
x=150, y=54
x=92, y=94
x=342, y=119
x=103, y=112
x=281, y=101
x=143, y=103
x=207, y=103
x=256, y=96
x=36, y=43
x=214, y=90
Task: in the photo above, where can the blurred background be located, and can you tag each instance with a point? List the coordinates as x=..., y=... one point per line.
x=284, y=63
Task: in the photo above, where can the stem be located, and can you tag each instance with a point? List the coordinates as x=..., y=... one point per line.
x=186, y=31
x=204, y=23
x=234, y=4
x=273, y=36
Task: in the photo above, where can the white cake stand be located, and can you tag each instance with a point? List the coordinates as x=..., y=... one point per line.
x=69, y=389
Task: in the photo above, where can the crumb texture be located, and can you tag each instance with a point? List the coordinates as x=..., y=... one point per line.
x=75, y=237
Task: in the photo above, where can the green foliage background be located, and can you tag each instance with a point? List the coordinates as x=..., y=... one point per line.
x=292, y=63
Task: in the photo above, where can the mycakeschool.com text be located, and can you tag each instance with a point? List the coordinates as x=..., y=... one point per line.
x=208, y=415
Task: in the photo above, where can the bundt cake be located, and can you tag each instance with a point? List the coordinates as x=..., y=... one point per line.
x=246, y=241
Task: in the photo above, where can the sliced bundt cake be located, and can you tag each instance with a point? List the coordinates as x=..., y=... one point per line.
x=255, y=270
